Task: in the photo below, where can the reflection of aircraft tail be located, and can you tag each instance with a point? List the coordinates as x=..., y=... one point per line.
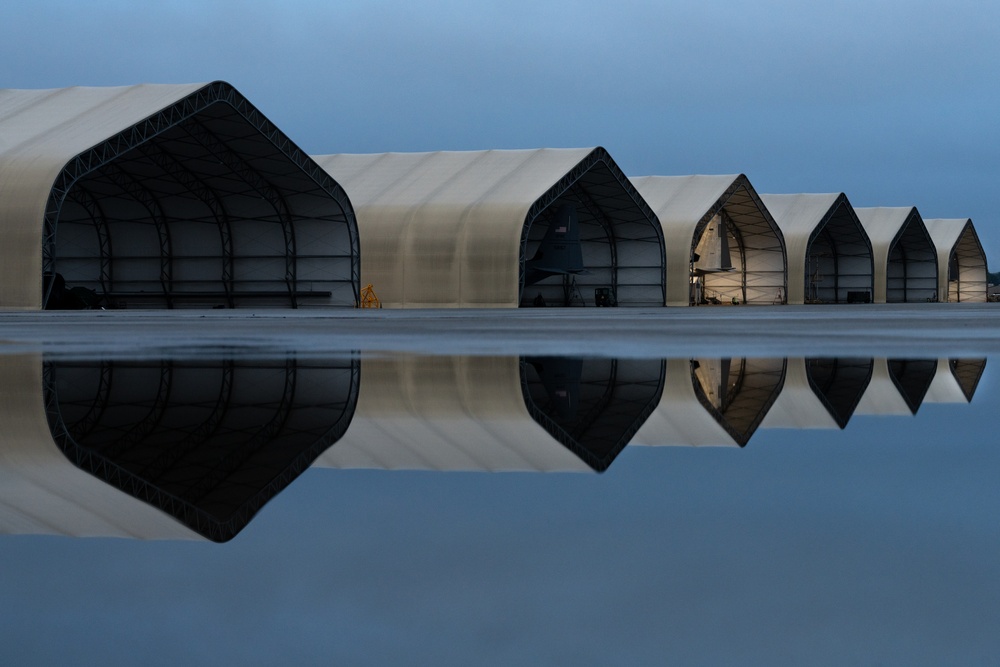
x=560, y=252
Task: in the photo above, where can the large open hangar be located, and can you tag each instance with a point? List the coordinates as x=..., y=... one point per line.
x=164, y=196
x=502, y=228
x=961, y=260
x=829, y=254
x=722, y=244
x=906, y=265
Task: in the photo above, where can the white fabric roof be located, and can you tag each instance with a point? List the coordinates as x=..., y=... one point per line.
x=684, y=204
x=955, y=381
x=798, y=406
x=680, y=419
x=446, y=413
x=883, y=225
x=882, y=397
x=445, y=229
x=40, y=132
x=949, y=234
x=797, y=217
x=41, y=492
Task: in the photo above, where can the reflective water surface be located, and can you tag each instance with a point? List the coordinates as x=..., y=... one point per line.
x=815, y=510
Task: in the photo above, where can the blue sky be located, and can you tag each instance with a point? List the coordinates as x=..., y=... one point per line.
x=893, y=103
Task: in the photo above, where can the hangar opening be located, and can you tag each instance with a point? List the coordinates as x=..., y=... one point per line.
x=738, y=392
x=502, y=228
x=830, y=258
x=596, y=244
x=209, y=442
x=961, y=260
x=839, y=383
x=205, y=204
x=592, y=406
x=905, y=257
x=839, y=266
x=723, y=246
x=911, y=272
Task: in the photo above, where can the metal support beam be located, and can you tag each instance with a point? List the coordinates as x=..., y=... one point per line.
x=176, y=170
x=156, y=124
x=197, y=131
x=235, y=460
x=133, y=188
x=82, y=196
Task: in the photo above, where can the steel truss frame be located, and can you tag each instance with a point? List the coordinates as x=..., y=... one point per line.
x=571, y=441
x=143, y=132
x=822, y=231
x=901, y=249
x=764, y=397
x=143, y=484
x=741, y=185
x=571, y=184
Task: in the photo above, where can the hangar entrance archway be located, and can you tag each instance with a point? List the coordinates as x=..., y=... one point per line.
x=911, y=272
x=839, y=265
x=206, y=205
x=592, y=244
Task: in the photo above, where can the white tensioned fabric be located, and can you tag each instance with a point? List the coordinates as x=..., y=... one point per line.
x=955, y=380
x=445, y=229
x=905, y=259
x=41, y=492
x=956, y=237
x=446, y=413
x=798, y=406
x=801, y=217
x=681, y=419
x=686, y=205
x=712, y=402
x=883, y=396
x=40, y=131
x=165, y=196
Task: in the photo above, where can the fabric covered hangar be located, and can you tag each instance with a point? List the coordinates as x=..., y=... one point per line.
x=164, y=196
x=905, y=258
x=478, y=413
x=502, y=228
x=829, y=254
x=961, y=260
x=722, y=244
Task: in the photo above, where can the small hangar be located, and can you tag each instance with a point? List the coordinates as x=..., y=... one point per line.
x=829, y=254
x=906, y=265
x=723, y=246
x=164, y=196
x=961, y=260
x=502, y=228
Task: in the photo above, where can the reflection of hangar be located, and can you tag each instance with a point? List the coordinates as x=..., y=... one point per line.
x=502, y=228
x=829, y=253
x=955, y=381
x=207, y=442
x=961, y=260
x=496, y=413
x=898, y=386
x=722, y=244
x=820, y=393
x=713, y=402
x=165, y=196
x=41, y=492
x=905, y=258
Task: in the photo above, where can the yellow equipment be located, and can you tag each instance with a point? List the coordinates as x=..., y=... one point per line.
x=368, y=298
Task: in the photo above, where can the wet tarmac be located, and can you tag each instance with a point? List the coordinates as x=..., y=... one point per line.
x=895, y=329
